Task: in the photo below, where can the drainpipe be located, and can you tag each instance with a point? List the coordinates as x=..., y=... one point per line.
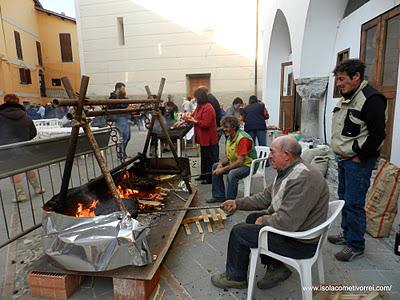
x=5, y=56
x=255, y=59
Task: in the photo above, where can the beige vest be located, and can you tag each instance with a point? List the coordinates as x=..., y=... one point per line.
x=349, y=132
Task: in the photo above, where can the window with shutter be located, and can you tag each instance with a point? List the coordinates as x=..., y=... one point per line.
x=66, y=48
x=22, y=78
x=25, y=76
x=39, y=53
x=341, y=57
x=18, y=45
x=121, y=31
x=28, y=76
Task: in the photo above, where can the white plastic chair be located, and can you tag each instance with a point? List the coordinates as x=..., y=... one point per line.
x=262, y=157
x=303, y=266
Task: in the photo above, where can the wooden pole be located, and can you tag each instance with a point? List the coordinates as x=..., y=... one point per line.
x=103, y=167
x=73, y=140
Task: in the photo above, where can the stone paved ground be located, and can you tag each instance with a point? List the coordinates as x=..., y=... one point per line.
x=191, y=261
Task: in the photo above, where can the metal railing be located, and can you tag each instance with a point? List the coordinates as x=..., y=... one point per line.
x=20, y=218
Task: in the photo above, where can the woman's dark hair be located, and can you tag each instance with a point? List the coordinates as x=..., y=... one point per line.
x=201, y=96
x=253, y=99
x=11, y=98
x=231, y=121
x=351, y=67
x=237, y=100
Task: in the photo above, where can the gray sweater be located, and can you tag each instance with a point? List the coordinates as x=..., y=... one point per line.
x=296, y=201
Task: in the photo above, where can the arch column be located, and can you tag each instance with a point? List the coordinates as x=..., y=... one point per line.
x=311, y=91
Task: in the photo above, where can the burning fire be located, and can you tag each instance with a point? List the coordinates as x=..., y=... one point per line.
x=86, y=211
x=147, y=200
x=127, y=193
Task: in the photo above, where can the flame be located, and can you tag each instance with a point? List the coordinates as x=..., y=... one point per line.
x=86, y=211
x=127, y=193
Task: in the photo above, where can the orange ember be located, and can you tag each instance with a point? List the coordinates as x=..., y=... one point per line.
x=86, y=211
x=126, y=193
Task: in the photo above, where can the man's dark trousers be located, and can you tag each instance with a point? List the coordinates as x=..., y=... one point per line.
x=244, y=236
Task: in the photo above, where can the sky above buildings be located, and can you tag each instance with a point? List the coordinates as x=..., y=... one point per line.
x=66, y=6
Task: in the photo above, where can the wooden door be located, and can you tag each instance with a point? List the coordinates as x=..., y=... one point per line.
x=287, y=96
x=197, y=80
x=380, y=50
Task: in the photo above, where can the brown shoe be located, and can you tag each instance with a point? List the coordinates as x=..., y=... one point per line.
x=337, y=239
x=273, y=276
x=348, y=254
x=222, y=282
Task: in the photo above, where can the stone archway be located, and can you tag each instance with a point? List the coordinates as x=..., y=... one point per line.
x=280, y=51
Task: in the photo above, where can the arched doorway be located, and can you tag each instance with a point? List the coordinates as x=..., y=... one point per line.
x=279, y=94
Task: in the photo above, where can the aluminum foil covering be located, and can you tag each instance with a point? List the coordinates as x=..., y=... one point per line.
x=100, y=243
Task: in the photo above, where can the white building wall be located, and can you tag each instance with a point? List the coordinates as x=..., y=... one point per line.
x=323, y=17
x=169, y=39
x=349, y=36
x=315, y=44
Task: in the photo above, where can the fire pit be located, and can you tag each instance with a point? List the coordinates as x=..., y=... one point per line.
x=84, y=233
x=88, y=233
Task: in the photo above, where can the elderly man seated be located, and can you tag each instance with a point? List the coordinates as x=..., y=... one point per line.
x=240, y=153
x=296, y=201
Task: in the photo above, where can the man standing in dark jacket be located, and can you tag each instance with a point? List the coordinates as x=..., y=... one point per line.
x=16, y=126
x=254, y=116
x=121, y=120
x=358, y=132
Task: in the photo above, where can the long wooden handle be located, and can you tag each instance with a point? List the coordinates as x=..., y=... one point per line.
x=184, y=209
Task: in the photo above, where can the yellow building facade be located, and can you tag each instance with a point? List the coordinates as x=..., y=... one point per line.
x=37, y=48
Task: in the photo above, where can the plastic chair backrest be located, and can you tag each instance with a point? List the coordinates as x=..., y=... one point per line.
x=321, y=230
x=262, y=152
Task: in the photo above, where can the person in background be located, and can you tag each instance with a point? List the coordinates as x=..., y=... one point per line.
x=240, y=153
x=234, y=110
x=254, y=116
x=205, y=128
x=194, y=104
x=170, y=120
x=122, y=120
x=358, y=132
x=187, y=106
x=98, y=121
x=222, y=110
x=31, y=111
x=171, y=103
x=41, y=111
x=217, y=108
x=16, y=126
